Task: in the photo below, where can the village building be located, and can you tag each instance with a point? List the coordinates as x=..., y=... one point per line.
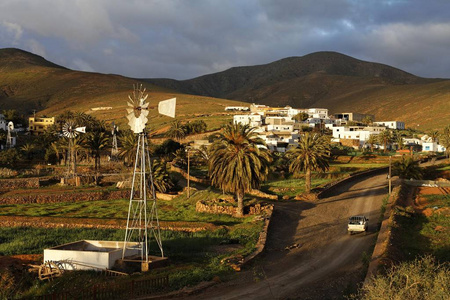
x=38, y=125
x=391, y=124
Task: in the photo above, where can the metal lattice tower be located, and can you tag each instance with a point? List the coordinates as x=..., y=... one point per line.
x=142, y=218
x=114, y=147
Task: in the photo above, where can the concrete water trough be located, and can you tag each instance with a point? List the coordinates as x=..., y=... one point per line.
x=89, y=255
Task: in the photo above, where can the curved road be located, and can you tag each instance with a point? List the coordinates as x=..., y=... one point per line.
x=309, y=254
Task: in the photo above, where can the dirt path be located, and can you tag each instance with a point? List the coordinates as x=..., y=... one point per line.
x=309, y=254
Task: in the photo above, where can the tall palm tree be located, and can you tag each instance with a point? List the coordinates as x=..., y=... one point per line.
x=311, y=154
x=434, y=135
x=397, y=138
x=128, y=145
x=372, y=140
x=236, y=162
x=95, y=142
x=445, y=140
x=385, y=138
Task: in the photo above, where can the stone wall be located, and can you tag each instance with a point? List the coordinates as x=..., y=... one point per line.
x=19, y=183
x=215, y=208
x=65, y=197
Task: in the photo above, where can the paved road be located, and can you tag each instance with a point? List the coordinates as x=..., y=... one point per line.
x=322, y=260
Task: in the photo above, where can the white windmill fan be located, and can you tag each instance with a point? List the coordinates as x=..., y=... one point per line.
x=137, y=110
x=71, y=130
x=9, y=139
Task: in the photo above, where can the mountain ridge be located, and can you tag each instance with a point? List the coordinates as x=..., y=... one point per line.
x=322, y=79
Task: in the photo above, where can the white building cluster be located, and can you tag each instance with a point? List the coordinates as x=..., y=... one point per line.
x=279, y=129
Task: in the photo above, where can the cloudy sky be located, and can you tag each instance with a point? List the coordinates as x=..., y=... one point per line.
x=182, y=39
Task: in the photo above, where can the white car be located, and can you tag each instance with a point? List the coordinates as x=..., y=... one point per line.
x=357, y=224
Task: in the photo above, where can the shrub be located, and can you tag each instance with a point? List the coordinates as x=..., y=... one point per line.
x=422, y=278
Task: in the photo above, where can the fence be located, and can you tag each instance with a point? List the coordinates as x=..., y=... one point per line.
x=123, y=290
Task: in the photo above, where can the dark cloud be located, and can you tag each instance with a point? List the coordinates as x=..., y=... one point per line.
x=183, y=39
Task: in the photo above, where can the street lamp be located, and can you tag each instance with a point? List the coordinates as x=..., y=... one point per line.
x=188, y=175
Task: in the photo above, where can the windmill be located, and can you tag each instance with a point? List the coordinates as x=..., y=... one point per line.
x=9, y=139
x=114, y=147
x=143, y=214
x=70, y=130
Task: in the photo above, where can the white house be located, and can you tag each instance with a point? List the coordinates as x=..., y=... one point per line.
x=280, y=141
x=361, y=133
x=254, y=120
x=432, y=147
x=237, y=108
x=275, y=120
x=391, y=124
x=281, y=127
x=318, y=113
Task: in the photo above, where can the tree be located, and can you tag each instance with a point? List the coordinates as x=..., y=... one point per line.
x=407, y=168
x=367, y=120
x=176, y=131
x=398, y=139
x=28, y=150
x=372, y=141
x=195, y=127
x=236, y=162
x=95, y=142
x=311, y=154
x=301, y=117
x=445, y=140
x=385, y=138
x=434, y=135
x=128, y=145
x=161, y=177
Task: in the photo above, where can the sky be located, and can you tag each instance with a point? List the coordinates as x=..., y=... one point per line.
x=183, y=39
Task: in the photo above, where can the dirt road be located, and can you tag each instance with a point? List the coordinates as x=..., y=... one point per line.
x=309, y=254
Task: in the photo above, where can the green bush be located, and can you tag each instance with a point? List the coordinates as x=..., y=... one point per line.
x=422, y=278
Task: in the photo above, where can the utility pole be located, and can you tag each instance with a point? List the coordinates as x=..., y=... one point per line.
x=390, y=174
x=188, y=166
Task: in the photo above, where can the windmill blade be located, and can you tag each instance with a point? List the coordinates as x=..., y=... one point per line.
x=81, y=129
x=167, y=107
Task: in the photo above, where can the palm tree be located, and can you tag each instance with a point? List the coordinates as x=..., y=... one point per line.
x=301, y=116
x=236, y=162
x=385, y=138
x=161, y=177
x=367, y=120
x=128, y=145
x=445, y=140
x=176, y=131
x=311, y=154
x=434, y=135
x=372, y=140
x=407, y=168
x=28, y=150
x=399, y=140
x=95, y=142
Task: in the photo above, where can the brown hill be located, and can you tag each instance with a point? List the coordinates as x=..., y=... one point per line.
x=330, y=80
x=29, y=82
x=325, y=79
